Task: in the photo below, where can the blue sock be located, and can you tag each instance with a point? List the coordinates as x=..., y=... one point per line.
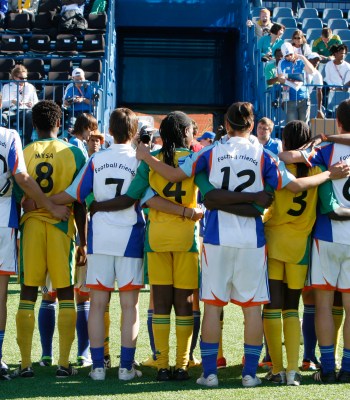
x=97, y=354
x=309, y=333
x=327, y=358
x=2, y=335
x=196, y=327
x=46, y=323
x=251, y=357
x=127, y=355
x=209, y=353
x=82, y=329
x=150, y=333
x=345, y=362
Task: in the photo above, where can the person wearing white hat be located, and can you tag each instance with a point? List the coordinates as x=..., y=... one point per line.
x=291, y=72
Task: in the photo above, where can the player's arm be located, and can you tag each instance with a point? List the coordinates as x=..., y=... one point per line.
x=291, y=157
x=81, y=222
x=328, y=203
x=244, y=210
x=344, y=138
x=168, y=207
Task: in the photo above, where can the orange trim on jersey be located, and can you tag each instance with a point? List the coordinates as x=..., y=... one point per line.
x=129, y=286
x=7, y=272
x=210, y=160
x=325, y=286
x=204, y=254
x=262, y=163
x=218, y=303
x=307, y=289
x=81, y=181
x=317, y=245
x=99, y=286
x=249, y=303
x=343, y=290
x=81, y=293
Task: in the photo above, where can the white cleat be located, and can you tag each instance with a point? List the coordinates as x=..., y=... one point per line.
x=210, y=381
x=98, y=374
x=127, y=375
x=293, y=378
x=249, y=381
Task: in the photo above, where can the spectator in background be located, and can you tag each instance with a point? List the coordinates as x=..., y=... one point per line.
x=295, y=96
x=270, y=70
x=316, y=79
x=3, y=11
x=84, y=126
x=263, y=25
x=206, y=139
x=18, y=98
x=264, y=131
x=195, y=146
x=302, y=4
x=323, y=44
x=299, y=43
x=268, y=44
x=25, y=6
x=337, y=71
x=94, y=142
x=78, y=97
x=157, y=142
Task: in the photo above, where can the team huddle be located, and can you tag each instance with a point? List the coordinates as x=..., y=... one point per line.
x=137, y=217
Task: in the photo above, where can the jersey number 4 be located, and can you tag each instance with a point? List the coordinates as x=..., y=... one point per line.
x=177, y=193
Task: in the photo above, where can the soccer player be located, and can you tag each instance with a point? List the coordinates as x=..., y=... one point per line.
x=12, y=166
x=331, y=251
x=241, y=166
x=53, y=163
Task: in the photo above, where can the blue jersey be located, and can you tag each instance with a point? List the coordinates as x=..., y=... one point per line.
x=273, y=145
x=297, y=67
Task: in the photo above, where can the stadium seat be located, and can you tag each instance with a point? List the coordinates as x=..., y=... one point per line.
x=11, y=44
x=6, y=64
x=40, y=44
x=282, y=12
x=66, y=45
x=256, y=11
x=337, y=23
x=307, y=13
x=347, y=43
x=18, y=23
x=54, y=93
x=288, y=33
x=92, y=76
x=343, y=33
x=4, y=76
x=35, y=66
x=91, y=65
x=50, y=5
x=96, y=23
x=311, y=23
x=61, y=64
x=58, y=76
x=94, y=45
x=331, y=13
x=288, y=22
x=312, y=34
x=334, y=99
x=45, y=24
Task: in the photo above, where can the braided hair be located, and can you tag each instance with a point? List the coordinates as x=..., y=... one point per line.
x=172, y=131
x=295, y=134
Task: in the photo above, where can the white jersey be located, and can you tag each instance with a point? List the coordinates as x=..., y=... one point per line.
x=108, y=174
x=11, y=163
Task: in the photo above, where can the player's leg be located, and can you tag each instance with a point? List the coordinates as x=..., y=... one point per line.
x=338, y=313
x=310, y=362
x=107, y=323
x=344, y=373
x=4, y=280
x=82, y=301
x=221, y=360
x=196, y=328
x=151, y=361
x=46, y=325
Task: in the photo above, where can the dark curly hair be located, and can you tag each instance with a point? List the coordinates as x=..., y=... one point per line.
x=338, y=47
x=45, y=115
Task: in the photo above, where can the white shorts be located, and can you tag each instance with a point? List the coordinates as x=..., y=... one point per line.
x=234, y=274
x=80, y=280
x=103, y=270
x=48, y=289
x=330, y=266
x=8, y=251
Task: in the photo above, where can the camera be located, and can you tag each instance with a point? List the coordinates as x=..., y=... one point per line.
x=145, y=135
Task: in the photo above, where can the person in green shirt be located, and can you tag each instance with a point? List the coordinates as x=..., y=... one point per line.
x=323, y=44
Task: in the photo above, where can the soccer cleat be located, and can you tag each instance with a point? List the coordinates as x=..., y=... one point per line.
x=343, y=376
x=249, y=381
x=63, y=372
x=125, y=374
x=308, y=365
x=221, y=363
x=278, y=378
x=83, y=361
x=180, y=374
x=265, y=365
x=328, y=378
x=293, y=378
x=46, y=361
x=97, y=374
x=5, y=374
x=150, y=362
x=3, y=365
x=210, y=381
x=22, y=373
x=164, y=375
x=193, y=362
x=107, y=361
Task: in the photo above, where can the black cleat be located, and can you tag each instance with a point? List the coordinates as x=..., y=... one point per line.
x=164, y=375
x=180, y=374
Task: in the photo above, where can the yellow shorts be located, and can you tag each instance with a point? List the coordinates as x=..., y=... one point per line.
x=293, y=275
x=179, y=268
x=44, y=248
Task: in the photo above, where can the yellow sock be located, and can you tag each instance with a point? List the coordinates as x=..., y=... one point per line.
x=25, y=322
x=273, y=333
x=107, y=321
x=221, y=350
x=337, y=313
x=67, y=318
x=184, y=330
x=161, y=332
x=291, y=331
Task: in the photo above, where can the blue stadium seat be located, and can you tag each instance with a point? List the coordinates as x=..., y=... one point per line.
x=331, y=13
x=288, y=22
x=256, y=11
x=311, y=23
x=282, y=12
x=312, y=34
x=307, y=13
x=334, y=99
x=337, y=23
x=288, y=33
x=343, y=33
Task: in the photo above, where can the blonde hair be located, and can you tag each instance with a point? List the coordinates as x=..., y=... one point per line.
x=18, y=69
